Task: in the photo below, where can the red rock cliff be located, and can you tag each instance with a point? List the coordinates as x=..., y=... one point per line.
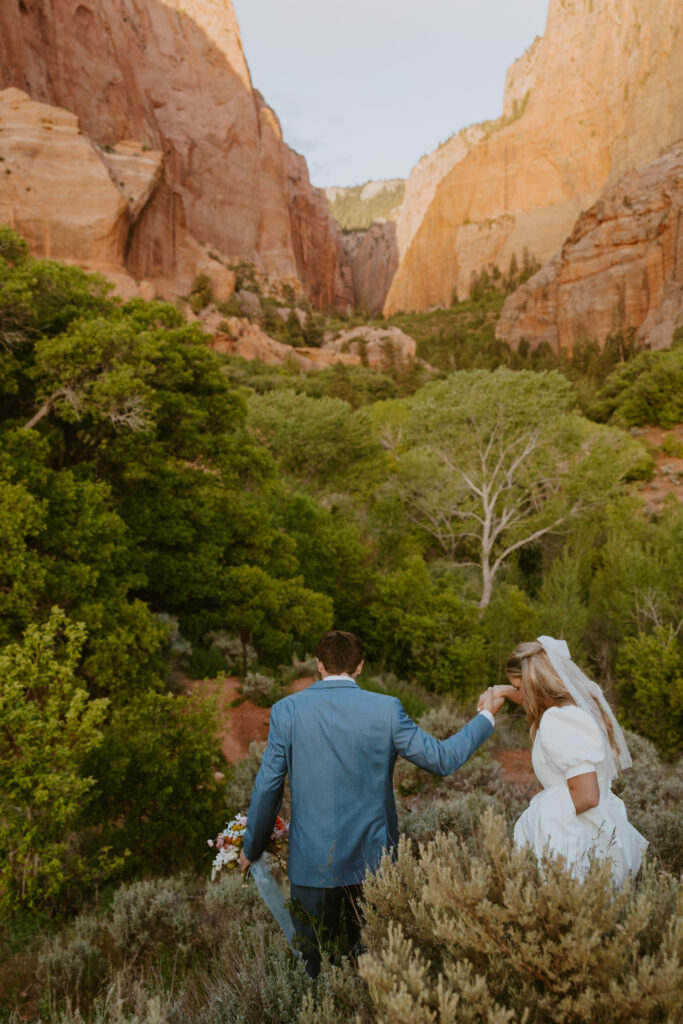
x=175, y=78
x=605, y=89
x=622, y=266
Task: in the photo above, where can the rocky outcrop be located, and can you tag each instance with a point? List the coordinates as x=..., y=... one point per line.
x=374, y=254
x=56, y=190
x=247, y=340
x=607, y=97
x=175, y=78
x=380, y=348
x=106, y=210
x=621, y=267
x=425, y=178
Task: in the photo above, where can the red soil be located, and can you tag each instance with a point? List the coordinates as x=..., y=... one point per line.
x=516, y=765
x=241, y=722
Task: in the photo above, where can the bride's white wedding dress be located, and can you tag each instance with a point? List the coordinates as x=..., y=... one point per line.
x=569, y=743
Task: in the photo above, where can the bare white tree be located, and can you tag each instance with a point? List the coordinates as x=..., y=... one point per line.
x=497, y=462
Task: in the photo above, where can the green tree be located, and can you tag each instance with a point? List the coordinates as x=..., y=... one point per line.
x=650, y=687
x=319, y=440
x=496, y=461
x=423, y=630
x=48, y=726
x=156, y=799
x=646, y=390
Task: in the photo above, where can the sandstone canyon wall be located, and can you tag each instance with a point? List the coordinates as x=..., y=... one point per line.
x=621, y=266
x=605, y=96
x=375, y=254
x=176, y=80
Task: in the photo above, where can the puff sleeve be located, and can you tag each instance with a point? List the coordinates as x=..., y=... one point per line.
x=571, y=741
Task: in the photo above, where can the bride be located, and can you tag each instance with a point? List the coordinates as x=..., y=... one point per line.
x=578, y=748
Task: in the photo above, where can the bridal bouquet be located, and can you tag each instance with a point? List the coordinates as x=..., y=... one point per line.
x=229, y=843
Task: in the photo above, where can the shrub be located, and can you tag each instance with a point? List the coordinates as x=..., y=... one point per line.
x=301, y=668
x=206, y=664
x=413, y=698
x=72, y=965
x=261, y=689
x=156, y=792
x=650, y=687
x=48, y=726
x=241, y=780
x=231, y=649
x=646, y=390
x=201, y=294
x=653, y=794
x=479, y=772
x=500, y=938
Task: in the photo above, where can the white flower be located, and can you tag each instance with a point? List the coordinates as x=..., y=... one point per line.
x=210, y=842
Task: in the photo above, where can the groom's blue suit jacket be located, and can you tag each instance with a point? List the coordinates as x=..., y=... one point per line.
x=338, y=744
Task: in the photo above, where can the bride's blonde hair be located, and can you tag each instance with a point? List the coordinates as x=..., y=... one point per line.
x=542, y=687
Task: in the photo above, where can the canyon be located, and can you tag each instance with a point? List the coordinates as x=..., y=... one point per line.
x=599, y=95
x=133, y=143
x=172, y=81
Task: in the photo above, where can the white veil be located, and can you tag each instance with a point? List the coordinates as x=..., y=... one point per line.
x=585, y=692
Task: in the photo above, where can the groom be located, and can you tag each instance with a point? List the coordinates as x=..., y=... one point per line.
x=339, y=744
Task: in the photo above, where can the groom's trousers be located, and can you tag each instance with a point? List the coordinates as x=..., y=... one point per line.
x=326, y=919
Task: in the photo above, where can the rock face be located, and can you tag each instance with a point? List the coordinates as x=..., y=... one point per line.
x=621, y=267
x=373, y=257
x=607, y=97
x=374, y=254
x=520, y=79
x=379, y=348
x=175, y=78
x=250, y=342
x=56, y=191
x=108, y=211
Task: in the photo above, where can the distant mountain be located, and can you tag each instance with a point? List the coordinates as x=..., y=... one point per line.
x=357, y=207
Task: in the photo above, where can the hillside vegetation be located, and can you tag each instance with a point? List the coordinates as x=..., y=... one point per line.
x=168, y=511
x=355, y=209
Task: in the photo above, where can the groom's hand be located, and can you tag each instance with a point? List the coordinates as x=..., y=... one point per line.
x=244, y=863
x=492, y=699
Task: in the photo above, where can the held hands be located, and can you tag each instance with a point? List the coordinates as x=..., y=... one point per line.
x=244, y=863
x=493, y=699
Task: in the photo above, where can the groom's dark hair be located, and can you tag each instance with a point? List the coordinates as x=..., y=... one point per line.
x=340, y=651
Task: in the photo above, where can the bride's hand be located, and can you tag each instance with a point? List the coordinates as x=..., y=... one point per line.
x=510, y=692
x=490, y=700
x=497, y=695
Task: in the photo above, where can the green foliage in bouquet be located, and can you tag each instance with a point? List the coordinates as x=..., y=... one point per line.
x=498, y=938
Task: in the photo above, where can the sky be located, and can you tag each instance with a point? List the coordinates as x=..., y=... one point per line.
x=364, y=88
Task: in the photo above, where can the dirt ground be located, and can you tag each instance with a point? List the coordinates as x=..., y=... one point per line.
x=241, y=721
x=516, y=765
